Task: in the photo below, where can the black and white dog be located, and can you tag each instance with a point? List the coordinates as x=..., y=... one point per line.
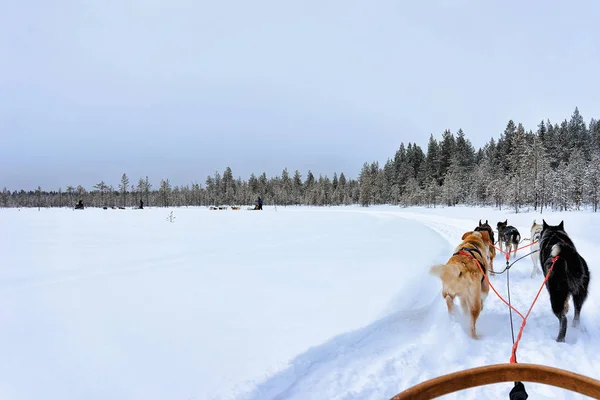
x=570, y=275
x=509, y=235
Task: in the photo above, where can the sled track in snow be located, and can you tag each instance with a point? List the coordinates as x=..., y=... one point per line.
x=411, y=346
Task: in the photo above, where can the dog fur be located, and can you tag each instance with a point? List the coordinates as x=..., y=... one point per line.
x=536, y=231
x=570, y=276
x=462, y=277
x=487, y=228
x=509, y=236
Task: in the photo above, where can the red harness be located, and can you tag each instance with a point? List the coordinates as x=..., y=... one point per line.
x=468, y=254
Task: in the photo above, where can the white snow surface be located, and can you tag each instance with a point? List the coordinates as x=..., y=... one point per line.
x=286, y=303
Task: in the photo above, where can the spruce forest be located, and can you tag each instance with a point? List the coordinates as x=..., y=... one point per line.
x=556, y=166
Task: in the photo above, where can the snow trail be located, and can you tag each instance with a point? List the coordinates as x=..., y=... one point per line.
x=417, y=344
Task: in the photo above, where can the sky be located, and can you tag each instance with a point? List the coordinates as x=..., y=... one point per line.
x=179, y=89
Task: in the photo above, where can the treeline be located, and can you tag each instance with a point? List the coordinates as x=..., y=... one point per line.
x=557, y=166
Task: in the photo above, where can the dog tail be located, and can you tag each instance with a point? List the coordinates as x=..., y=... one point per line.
x=555, y=250
x=574, y=265
x=564, y=251
x=439, y=269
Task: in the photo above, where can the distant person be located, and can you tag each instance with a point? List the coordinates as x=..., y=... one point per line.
x=141, y=204
x=79, y=205
x=259, y=203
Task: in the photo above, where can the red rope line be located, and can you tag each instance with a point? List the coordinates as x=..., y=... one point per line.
x=513, y=357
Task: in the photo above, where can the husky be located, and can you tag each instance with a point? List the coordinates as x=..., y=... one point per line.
x=536, y=231
x=509, y=235
x=487, y=228
x=570, y=275
x=463, y=276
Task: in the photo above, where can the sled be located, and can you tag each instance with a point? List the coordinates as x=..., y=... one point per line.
x=497, y=373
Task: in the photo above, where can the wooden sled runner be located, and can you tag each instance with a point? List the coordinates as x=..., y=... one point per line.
x=497, y=373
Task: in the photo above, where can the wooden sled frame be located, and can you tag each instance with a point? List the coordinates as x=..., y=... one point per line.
x=497, y=373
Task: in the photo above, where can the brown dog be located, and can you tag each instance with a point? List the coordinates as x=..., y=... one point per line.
x=461, y=276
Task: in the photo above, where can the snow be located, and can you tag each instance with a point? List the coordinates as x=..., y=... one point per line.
x=292, y=303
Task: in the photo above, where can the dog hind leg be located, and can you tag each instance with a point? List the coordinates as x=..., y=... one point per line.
x=475, y=308
x=560, y=306
x=535, y=269
x=485, y=289
x=464, y=306
x=449, y=302
x=578, y=300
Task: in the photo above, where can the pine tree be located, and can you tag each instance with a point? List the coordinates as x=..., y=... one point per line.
x=343, y=190
x=123, y=188
x=594, y=131
x=101, y=187
x=433, y=168
x=578, y=134
x=592, y=181
x=165, y=192
x=228, y=186
x=519, y=168
x=286, y=187
x=447, y=152
x=297, y=188
x=451, y=186
x=5, y=197
x=309, y=184
x=576, y=172
x=366, y=186
x=147, y=188
x=38, y=195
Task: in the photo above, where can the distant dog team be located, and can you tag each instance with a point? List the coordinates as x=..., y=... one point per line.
x=466, y=273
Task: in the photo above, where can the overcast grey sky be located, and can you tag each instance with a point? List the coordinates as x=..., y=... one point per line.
x=180, y=88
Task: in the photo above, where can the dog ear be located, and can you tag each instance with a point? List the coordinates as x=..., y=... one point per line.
x=561, y=226
x=506, y=221
x=465, y=235
x=544, y=224
x=479, y=222
x=486, y=222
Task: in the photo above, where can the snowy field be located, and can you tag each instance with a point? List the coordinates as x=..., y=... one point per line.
x=293, y=303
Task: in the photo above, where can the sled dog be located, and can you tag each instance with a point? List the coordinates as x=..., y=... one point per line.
x=461, y=276
x=510, y=236
x=570, y=275
x=487, y=228
x=536, y=231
